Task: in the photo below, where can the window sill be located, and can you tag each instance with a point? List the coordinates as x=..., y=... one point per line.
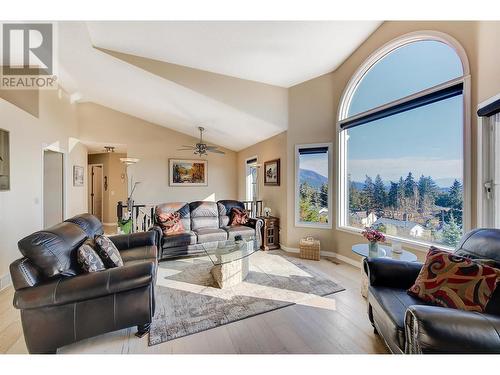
x=313, y=226
x=410, y=244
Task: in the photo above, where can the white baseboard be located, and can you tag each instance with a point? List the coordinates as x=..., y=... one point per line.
x=331, y=254
x=5, y=281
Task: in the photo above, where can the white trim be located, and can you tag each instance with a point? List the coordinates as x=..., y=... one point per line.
x=5, y=281
x=488, y=101
x=386, y=49
x=330, y=254
x=343, y=115
x=485, y=149
x=298, y=223
x=421, y=246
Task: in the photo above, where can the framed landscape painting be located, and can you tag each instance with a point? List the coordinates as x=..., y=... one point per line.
x=188, y=172
x=272, y=172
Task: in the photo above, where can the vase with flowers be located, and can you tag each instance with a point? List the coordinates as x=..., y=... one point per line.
x=374, y=237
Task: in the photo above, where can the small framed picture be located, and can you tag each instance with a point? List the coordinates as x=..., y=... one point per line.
x=78, y=173
x=272, y=172
x=188, y=172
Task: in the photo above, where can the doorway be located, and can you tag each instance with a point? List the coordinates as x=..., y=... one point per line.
x=96, y=200
x=53, y=188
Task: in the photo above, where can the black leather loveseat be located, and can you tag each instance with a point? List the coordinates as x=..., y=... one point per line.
x=409, y=325
x=203, y=222
x=60, y=305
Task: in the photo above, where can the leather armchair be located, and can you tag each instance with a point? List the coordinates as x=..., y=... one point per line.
x=409, y=325
x=433, y=329
x=60, y=309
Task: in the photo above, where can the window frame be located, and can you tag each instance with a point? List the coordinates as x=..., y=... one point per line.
x=301, y=224
x=342, y=223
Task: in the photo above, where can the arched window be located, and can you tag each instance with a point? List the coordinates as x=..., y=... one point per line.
x=402, y=161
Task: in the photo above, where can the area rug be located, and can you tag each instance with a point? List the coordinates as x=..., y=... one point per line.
x=188, y=302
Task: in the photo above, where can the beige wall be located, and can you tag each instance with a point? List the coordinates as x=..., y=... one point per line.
x=21, y=207
x=154, y=145
x=273, y=197
x=113, y=170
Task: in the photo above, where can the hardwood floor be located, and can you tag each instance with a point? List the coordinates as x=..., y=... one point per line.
x=334, y=324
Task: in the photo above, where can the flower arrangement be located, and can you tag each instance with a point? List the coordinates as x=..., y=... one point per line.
x=373, y=235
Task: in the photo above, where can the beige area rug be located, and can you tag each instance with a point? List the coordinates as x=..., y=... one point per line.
x=187, y=301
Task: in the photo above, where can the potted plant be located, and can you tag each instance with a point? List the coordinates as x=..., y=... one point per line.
x=374, y=237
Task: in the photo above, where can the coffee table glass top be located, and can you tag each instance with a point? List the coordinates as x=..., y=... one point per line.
x=383, y=252
x=221, y=252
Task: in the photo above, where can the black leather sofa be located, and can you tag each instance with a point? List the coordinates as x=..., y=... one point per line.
x=60, y=305
x=408, y=325
x=203, y=222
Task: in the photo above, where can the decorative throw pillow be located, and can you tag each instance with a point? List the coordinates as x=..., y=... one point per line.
x=88, y=259
x=170, y=223
x=238, y=216
x=108, y=251
x=453, y=281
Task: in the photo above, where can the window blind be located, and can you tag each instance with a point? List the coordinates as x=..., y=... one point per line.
x=433, y=97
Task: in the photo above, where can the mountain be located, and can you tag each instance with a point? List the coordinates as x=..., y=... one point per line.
x=313, y=179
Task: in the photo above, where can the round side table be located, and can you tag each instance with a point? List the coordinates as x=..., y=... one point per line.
x=383, y=252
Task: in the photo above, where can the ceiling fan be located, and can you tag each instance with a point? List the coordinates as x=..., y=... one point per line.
x=201, y=148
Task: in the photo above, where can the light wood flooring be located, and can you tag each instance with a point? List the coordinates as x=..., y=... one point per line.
x=334, y=324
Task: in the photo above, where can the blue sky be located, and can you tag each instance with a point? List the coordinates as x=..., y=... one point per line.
x=426, y=140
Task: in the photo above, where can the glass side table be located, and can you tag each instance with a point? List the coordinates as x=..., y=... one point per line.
x=383, y=252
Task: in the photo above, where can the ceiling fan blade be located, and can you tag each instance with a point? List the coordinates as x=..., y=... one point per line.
x=185, y=149
x=212, y=147
x=217, y=152
x=191, y=147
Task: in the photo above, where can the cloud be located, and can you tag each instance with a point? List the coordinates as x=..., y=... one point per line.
x=392, y=169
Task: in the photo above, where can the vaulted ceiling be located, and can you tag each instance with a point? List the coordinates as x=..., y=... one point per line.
x=230, y=77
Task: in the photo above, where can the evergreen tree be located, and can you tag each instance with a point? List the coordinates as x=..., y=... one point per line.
x=379, y=194
x=427, y=193
x=368, y=194
x=409, y=186
x=323, y=195
x=452, y=233
x=392, y=196
x=401, y=195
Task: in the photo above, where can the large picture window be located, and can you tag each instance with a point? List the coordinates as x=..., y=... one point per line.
x=313, y=206
x=402, y=145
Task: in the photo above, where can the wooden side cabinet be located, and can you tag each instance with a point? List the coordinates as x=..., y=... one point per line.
x=270, y=233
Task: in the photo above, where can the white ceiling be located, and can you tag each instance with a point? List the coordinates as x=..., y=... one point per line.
x=278, y=53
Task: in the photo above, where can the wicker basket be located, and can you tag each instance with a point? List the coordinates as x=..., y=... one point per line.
x=309, y=248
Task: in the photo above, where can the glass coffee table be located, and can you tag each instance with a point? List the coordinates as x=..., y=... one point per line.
x=230, y=260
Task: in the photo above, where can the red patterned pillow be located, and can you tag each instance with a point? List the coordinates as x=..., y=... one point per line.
x=170, y=223
x=453, y=281
x=238, y=216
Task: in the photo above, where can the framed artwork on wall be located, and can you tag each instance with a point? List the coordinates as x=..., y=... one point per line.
x=78, y=172
x=272, y=172
x=4, y=160
x=188, y=172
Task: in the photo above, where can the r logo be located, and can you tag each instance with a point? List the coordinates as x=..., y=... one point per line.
x=27, y=49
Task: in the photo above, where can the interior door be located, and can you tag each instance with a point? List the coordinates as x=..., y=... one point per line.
x=53, y=188
x=96, y=192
